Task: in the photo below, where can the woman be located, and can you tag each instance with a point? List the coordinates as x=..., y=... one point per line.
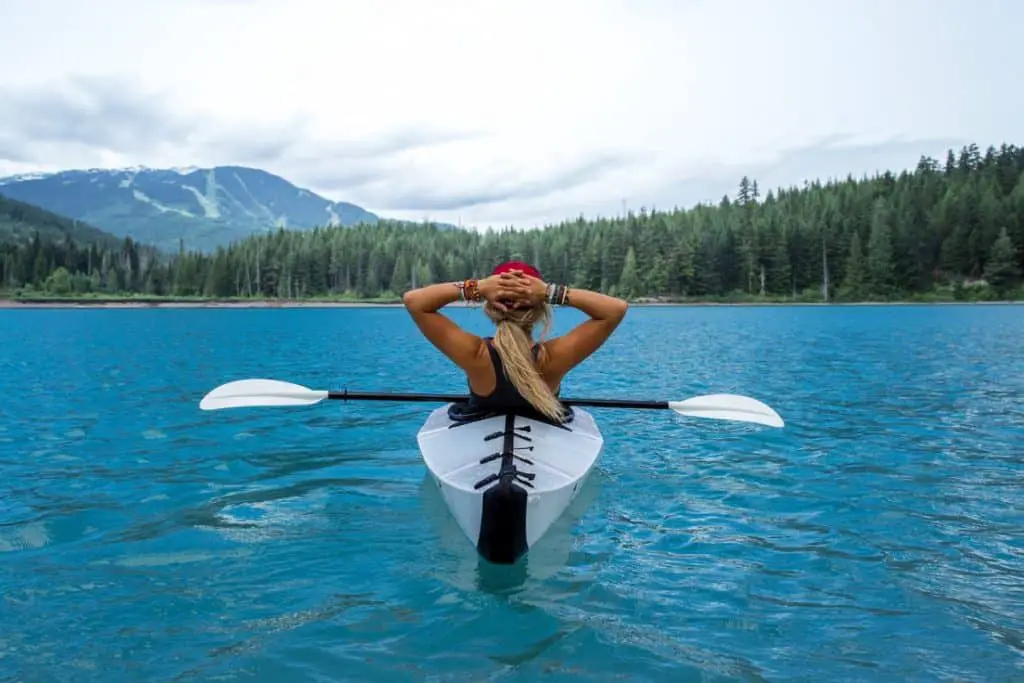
x=509, y=370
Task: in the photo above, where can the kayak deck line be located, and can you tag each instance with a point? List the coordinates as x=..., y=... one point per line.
x=508, y=456
x=503, y=524
x=463, y=413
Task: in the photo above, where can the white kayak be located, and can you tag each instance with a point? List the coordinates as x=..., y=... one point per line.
x=506, y=478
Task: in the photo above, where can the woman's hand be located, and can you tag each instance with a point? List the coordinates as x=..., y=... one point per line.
x=498, y=291
x=528, y=289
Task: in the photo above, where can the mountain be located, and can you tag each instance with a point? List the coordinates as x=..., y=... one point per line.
x=203, y=207
x=19, y=222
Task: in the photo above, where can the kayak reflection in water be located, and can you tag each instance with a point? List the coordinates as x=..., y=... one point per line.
x=510, y=370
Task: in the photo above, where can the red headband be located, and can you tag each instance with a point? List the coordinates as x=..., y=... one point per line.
x=517, y=265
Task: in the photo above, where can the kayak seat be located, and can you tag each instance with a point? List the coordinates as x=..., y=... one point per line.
x=464, y=411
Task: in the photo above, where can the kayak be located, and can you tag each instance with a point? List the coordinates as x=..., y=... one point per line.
x=507, y=477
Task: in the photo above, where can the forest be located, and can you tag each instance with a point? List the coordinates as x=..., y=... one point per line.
x=944, y=230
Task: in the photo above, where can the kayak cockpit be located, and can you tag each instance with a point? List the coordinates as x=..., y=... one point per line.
x=463, y=411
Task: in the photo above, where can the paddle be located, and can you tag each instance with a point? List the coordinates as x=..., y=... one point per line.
x=250, y=393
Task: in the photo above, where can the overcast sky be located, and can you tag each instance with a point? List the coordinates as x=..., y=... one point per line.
x=516, y=112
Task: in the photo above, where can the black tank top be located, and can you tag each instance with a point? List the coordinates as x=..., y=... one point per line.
x=505, y=394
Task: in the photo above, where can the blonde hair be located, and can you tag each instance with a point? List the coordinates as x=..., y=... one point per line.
x=513, y=340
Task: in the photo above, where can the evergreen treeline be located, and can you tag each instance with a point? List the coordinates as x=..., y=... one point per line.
x=66, y=267
x=948, y=224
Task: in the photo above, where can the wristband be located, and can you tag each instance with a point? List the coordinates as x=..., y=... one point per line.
x=468, y=289
x=557, y=295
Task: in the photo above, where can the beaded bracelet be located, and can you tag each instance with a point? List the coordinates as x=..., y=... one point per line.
x=557, y=294
x=468, y=289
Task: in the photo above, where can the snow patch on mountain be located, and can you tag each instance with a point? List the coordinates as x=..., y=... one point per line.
x=163, y=208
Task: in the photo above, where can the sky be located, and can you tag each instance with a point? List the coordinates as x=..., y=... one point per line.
x=486, y=113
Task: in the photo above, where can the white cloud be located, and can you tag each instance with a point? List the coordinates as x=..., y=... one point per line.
x=501, y=98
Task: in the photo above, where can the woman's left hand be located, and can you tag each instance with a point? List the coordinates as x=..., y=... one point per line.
x=498, y=291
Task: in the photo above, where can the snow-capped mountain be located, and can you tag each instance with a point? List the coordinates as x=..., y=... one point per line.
x=204, y=207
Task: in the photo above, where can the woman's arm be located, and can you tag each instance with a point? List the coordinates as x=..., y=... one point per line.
x=600, y=307
x=569, y=350
x=431, y=298
x=425, y=303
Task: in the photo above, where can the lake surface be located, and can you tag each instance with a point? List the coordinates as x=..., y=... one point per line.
x=878, y=537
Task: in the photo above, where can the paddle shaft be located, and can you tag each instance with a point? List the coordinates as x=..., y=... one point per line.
x=455, y=398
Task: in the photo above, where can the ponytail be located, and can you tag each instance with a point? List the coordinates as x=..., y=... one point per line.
x=513, y=342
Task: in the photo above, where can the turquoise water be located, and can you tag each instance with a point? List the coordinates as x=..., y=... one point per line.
x=879, y=537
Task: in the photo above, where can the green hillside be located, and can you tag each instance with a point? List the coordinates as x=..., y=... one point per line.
x=20, y=221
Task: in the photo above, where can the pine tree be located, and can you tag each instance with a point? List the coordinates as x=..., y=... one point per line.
x=1002, y=271
x=629, y=282
x=853, y=284
x=879, y=258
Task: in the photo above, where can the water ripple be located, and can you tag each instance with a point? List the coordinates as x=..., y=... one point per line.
x=880, y=536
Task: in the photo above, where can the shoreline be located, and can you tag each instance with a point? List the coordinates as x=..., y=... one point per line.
x=8, y=304
x=14, y=304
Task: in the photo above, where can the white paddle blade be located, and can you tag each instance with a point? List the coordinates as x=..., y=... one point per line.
x=251, y=393
x=728, y=407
